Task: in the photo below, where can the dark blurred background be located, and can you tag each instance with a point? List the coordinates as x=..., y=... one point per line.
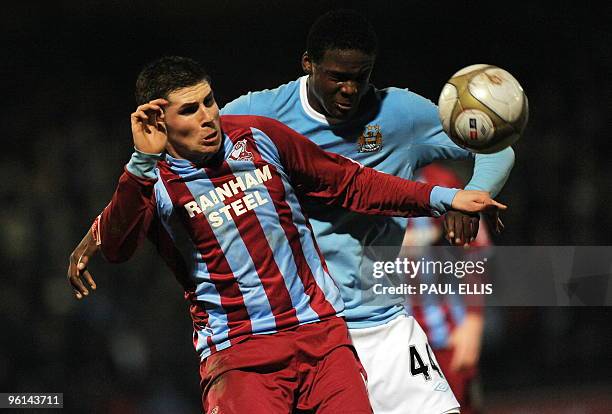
x=68, y=70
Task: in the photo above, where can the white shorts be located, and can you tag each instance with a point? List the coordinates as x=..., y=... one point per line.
x=403, y=374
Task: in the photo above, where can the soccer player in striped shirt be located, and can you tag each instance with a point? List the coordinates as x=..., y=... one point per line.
x=221, y=198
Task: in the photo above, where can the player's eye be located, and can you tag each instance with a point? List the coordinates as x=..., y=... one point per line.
x=209, y=100
x=188, y=110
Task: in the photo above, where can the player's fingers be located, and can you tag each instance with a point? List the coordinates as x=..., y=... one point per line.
x=159, y=105
x=153, y=112
x=152, y=117
x=492, y=203
x=449, y=224
x=73, y=270
x=468, y=230
x=90, y=281
x=78, y=285
x=149, y=107
x=499, y=225
x=82, y=267
x=159, y=101
x=138, y=114
x=161, y=126
x=141, y=116
x=83, y=261
x=493, y=221
x=475, y=228
x=140, y=122
x=458, y=232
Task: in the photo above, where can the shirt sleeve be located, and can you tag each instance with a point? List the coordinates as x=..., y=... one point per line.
x=491, y=171
x=125, y=221
x=333, y=179
x=239, y=106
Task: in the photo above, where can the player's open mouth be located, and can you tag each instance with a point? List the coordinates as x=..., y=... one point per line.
x=210, y=137
x=344, y=106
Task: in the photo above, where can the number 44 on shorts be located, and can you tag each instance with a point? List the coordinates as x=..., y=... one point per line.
x=419, y=367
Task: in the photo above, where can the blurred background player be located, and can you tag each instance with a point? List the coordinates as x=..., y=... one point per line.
x=453, y=327
x=392, y=130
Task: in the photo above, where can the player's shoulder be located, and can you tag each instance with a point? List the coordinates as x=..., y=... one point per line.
x=267, y=125
x=404, y=99
x=263, y=102
x=282, y=91
x=231, y=122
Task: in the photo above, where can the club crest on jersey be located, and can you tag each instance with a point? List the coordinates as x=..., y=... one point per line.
x=240, y=153
x=370, y=140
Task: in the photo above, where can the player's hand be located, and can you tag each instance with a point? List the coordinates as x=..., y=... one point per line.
x=494, y=221
x=78, y=274
x=465, y=340
x=460, y=229
x=472, y=201
x=149, y=127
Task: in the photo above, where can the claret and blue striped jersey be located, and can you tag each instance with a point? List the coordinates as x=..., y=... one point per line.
x=397, y=133
x=234, y=232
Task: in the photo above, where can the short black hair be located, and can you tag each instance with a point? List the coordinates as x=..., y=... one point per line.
x=341, y=30
x=167, y=74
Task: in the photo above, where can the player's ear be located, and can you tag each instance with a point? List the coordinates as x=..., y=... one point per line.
x=306, y=64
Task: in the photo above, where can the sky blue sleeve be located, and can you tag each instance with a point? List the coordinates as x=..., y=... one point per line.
x=430, y=143
x=435, y=145
x=491, y=171
x=441, y=199
x=239, y=106
x=143, y=165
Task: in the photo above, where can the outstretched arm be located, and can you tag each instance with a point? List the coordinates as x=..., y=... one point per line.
x=334, y=179
x=122, y=225
x=125, y=221
x=490, y=171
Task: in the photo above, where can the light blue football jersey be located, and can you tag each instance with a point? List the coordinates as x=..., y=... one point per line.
x=399, y=133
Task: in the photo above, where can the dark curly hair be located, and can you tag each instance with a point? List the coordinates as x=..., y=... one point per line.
x=341, y=29
x=167, y=74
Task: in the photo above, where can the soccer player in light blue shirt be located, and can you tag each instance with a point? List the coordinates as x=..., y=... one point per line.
x=392, y=130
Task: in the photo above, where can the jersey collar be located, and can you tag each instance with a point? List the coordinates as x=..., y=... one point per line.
x=310, y=111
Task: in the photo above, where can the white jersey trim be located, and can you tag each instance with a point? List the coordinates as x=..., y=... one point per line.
x=310, y=111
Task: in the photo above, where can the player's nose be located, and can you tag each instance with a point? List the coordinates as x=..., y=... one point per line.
x=206, y=115
x=349, y=88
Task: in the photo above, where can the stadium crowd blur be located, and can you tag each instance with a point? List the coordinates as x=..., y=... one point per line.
x=68, y=73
